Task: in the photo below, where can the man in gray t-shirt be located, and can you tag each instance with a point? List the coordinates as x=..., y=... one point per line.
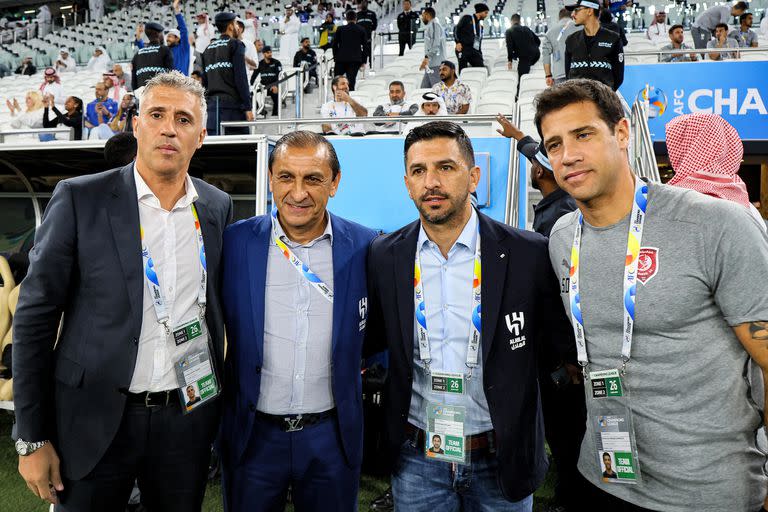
x=706, y=21
x=700, y=311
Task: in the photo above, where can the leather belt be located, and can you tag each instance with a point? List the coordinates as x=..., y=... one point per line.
x=159, y=399
x=296, y=422
x=482, y=441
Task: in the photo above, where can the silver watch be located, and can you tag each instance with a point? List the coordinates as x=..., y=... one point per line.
x=24, y=448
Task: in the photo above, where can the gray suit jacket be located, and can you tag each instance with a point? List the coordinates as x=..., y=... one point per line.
x=86, y=264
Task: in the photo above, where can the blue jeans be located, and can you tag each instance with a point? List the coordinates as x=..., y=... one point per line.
x=421, y=485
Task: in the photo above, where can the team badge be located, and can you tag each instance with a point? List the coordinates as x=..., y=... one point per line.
x=647, y=264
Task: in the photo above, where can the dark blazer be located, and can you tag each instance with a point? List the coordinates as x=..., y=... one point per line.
x=348, y=43
x=517, y=279
x=246, y=245
x=464, y=33
x=86, y=264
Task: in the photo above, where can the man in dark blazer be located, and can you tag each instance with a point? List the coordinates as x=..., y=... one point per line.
x=295, y=303
x=468, y=35
x=493, y=355
x=348, y=49
x=99, y=404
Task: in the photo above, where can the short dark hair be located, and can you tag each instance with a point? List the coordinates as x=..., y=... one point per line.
x=397, y=82
x=579, y=90
x=564, y=13
x=120, y=149
x=675, y=27
x=222, y=26
x=430, y=11
x=441, y=130
x=78, y=103
x=436, y=436
x=744, y=16
x=195, y=72
x=336, y=79
x=740, y=6
x=721, y=25
x=606, y=454
x=350, y=16
x=306, y=139
x=515, y=18
x=304, y=39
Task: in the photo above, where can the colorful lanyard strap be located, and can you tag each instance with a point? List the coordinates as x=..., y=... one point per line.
x=473, y=344
x=634, y=239
x=299, y=265
x=153, y=282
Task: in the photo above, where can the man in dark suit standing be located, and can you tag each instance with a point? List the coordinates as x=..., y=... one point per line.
x=472, y=380
x=468, y=35
x=407, y=25
x=347, y=47
x=130, y=258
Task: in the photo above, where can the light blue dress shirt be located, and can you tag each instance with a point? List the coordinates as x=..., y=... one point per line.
x=448, y=299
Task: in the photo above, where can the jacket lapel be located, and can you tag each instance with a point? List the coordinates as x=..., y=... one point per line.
x=494, y=263
x=341, y=251
x=405, y=252
x=257, y=252
x=123, y=211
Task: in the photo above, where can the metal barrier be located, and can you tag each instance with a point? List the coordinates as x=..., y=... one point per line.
x=643, y=156
x=36, y=131
x=511, y=211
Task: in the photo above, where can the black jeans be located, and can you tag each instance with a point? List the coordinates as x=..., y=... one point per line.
x=275, y=101
x=167, y=452
x=349, y=69
x=404, y=38
x=470, y=58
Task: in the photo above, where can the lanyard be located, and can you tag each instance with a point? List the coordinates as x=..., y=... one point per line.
x=153, y=282
x=473, y=343
x=634, y=239
x=299, y=265
x=562, y=30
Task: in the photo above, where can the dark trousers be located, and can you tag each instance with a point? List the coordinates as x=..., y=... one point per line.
x=310, y=461
x=166, y=451
x=349, y=69
x=367, y=50
x=469, y=58
x=222, y=109
x=275, y=101
x=597, y=499
x=404, y=38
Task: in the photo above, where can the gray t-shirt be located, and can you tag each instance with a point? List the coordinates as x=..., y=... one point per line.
x=712, y=16
x=702, y=270
x=729, y=43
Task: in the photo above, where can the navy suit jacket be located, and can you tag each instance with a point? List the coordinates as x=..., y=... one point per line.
x=86, y=264
x=246, y=246
x=521, y=316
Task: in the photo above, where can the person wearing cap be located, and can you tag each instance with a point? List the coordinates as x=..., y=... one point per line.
x=595, y=52
x=658, y=32
x=468, y=35
x=224, y=76
x=307, y=56
x=51, y=86
x=706, y=22
x=347, y=48
x=152, y=58
x=407, y=26
x=177, y=40
x=666, y=289
x=289, y=34
x=65, y=63
x=455, y=93
x=434, y=48
x=366, y=18
x=268, y=73
x=553, y=48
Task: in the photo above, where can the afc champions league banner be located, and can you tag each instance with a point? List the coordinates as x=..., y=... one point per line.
x=736, y=90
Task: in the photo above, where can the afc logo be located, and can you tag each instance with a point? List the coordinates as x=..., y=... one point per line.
x=515, y=324
x=362, y=307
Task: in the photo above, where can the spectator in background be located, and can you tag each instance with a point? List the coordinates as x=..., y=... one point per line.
x=407, y=25
x=43, y=22
x=327, y=32
x=676, y=35
x=455, y=93
x=307, y=56
x=251, y=30
x=123, y=120
x=434, y=48
x=26, y=67
x=122, y=77
x=99, y=112
x=396, y=106
x=32, y=117
x=65, y=63
x=617, y=8
x=522, y=46
x=348, y=49
x=658, y=32
x=72, y=117
x=469, y=38
x=114, y=89
x=743, y=35
x=289, y=30
x=553, y=48
x=177, y=40
x=252, y=57
x=99, y=61
x=120, y=150
x=203, y=34
x=706, y=22
x=764, y=24
x=366, y=18
x=269, y=73
x=51, y=86
x=342, y=105
x=151, y=59
x=606, y=21
x=431, y=104
x=722, y=40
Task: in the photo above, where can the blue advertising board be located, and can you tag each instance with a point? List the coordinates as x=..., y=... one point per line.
x=737, y=90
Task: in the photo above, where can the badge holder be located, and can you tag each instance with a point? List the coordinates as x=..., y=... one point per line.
x=445, y=433
x=616, y=446
x=195, y=370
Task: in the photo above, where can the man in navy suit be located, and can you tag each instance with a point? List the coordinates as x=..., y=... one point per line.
x=467, y=377
x=295, y=305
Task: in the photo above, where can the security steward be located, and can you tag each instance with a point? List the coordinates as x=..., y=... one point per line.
x=224, y=77
x=407, y=24
x=366, y=18
x=595, y=52
x=154, y=58
x=269, y=73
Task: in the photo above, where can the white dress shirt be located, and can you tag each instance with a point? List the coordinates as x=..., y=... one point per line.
x=171, y=239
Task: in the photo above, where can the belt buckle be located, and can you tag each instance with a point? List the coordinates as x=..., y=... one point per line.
x=293, y=424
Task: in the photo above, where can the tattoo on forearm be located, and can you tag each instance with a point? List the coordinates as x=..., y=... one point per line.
x=759, y=331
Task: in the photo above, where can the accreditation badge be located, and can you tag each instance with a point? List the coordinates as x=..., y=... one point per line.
x=444, y=439
x=195, y=370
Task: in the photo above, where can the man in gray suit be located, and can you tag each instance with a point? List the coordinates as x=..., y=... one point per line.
x=129, y=257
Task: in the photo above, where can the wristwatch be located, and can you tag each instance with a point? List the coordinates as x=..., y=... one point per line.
x=25, y=448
